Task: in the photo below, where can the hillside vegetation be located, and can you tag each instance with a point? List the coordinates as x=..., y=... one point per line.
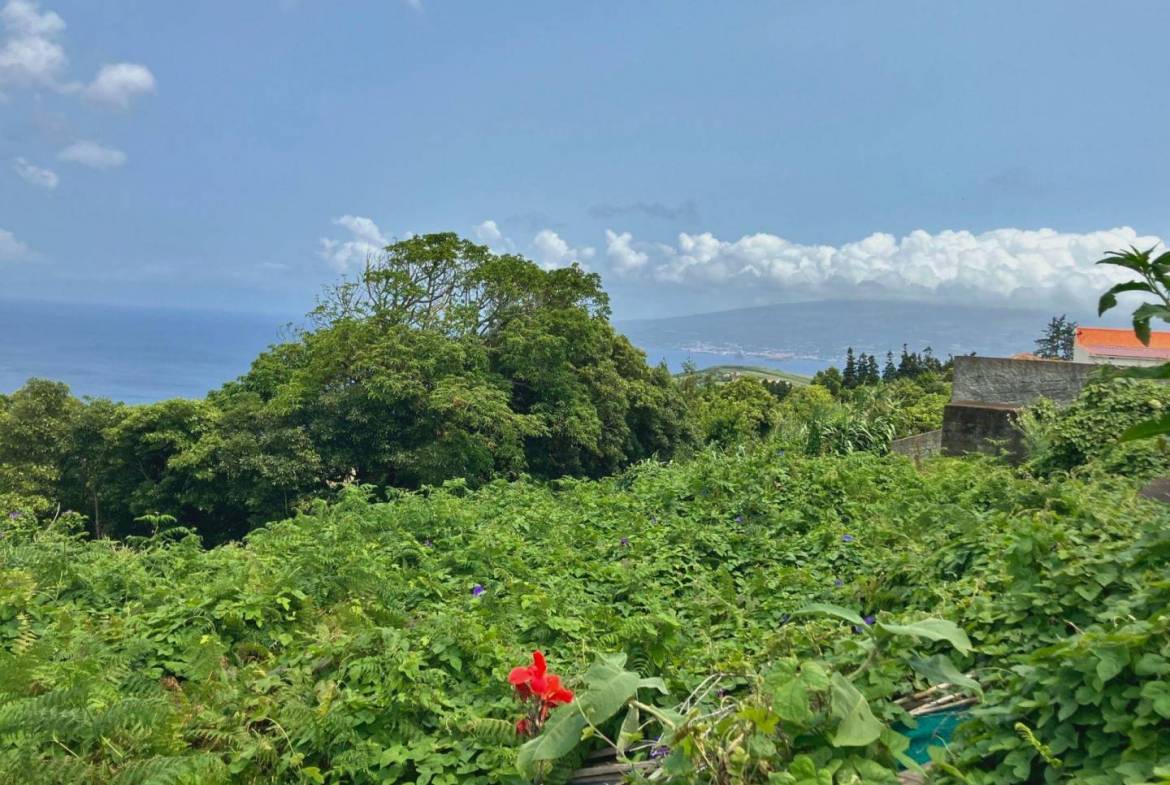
x=478, y=492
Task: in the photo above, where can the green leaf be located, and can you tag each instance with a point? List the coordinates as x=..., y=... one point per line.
x=1109, y=299
x=814, y=675
x=653, y=683
x=610, y=687
x=820, y=608
x=629, y=732
x=1150, y=664
x=561, y=733
x=790, y=700
x=803, y=771
x=1110, y=662
x=858, y=726
x=933, y=629
x=1142, y=317
x=1147, y=429
x=940, y=670
x=1158, y=693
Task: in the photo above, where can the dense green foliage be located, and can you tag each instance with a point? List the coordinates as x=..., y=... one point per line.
x=441, y=360
x=346, y=645
x=465, y=463
x=1081, y=436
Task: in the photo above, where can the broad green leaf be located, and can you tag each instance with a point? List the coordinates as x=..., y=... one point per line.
x=561, y=733
x=934, y=630
x=1158, y=693
x=820, y=608
x=764, y=720
x=803, y=771
x=1147, y=429
x=653, y=683
x=814, y=675
x=790, y=700
x=940, y=670
x=610, y=687
x=1110, y=662
x=629, y=731
x=1109, y=299
x=858, y=727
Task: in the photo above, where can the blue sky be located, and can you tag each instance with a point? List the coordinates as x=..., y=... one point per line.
x=700, y=156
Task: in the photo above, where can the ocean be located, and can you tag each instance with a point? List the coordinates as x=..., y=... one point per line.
x=128, y=353
x=141, y=354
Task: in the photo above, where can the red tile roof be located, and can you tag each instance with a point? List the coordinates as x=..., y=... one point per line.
x=1116, y=342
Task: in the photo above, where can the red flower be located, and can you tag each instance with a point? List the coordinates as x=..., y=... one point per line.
x=540, y=690
x=554, y=694
x=522, y=678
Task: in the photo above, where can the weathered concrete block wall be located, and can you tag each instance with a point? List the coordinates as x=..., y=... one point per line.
x=919, y=446
x=1018, y=382
x=981, y=427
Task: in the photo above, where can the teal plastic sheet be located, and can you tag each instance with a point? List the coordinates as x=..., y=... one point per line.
x=934, y=730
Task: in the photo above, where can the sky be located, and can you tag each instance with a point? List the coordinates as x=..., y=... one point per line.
x=700, y=156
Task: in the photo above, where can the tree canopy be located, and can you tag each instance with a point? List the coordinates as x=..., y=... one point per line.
x=439, y=360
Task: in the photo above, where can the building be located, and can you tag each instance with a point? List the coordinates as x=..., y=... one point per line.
x=1112, y=346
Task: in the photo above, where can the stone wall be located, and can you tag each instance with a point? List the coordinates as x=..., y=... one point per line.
x=988, y=428
x=919, y=446
x=1018, y=382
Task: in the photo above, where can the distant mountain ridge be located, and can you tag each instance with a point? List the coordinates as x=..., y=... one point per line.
x=821, y=331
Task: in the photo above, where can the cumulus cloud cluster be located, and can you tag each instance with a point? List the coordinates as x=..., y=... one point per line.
x=551, y=251
x=365, y=241
x=32, y=56
x=998, y=265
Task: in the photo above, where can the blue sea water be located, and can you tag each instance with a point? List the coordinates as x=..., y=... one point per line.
x=128, y=353
x=139, y=355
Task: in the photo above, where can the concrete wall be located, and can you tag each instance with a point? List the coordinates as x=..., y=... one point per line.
x=1018, y=382
x=981, y=427
x=1081, y=355
x=919, y=446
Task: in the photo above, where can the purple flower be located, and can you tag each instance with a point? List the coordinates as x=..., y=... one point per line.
x=625, y=542
x=870, y=619
x=659, y=751
x=838, y=583
x=12, y=516
x=739, y=519
x=847, y=538
x=477, y=590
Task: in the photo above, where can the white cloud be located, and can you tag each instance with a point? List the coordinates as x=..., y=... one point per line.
x=346, y=255
x=11, y=249
x=414, y=5
x=35, y=175
x=32, y=56
x=489, y=233
x=116, y=84
x=625, y=259
x=995, y=265
x=551, y=251
x=93, y=155
x=29, y=54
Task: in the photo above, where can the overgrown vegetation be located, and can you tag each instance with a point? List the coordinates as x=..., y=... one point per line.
x=744, y=599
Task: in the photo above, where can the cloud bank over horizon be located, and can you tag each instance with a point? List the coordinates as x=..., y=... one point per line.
x=1002, y=266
